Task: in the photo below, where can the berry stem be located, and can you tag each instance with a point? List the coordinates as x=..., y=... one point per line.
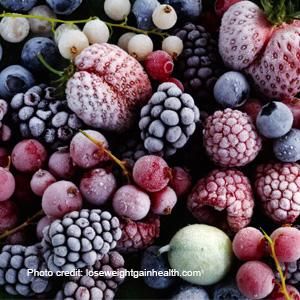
x=26, y=223
x=112, y=157
x=163, y=249
x=8, y=163
x=41, y=58
x=273, y=255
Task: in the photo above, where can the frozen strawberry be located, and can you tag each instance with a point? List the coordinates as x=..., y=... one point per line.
x=108, y=88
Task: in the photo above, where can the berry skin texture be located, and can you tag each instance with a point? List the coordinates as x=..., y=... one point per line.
x=130, y=201
x=9, y=215
x=172, y=45
x=115, y=81
x=28, y=156
x=117, y=9
x=225, y=189
x=231, y=89
x=18, y=6
x=60, y=198
x=230, y=138
x=84, y=152
x=15, y=79
x=286, y=243
x=96, y=31
x=287, y=147
x=164, y=16
x=150, y=172
x=278, y=295
x=252, y=107
x=274, y=120
x=294, y=105
x=97, y=186
x=14, y=30
x=42, y=223
x=140, y=46
x=181, y=181
x=221, y=6
x=248, y=244
x=7, y=184
x=159, y=65
x=190, y=292
x=64, y=7
x=255, y=279
x=277, y=186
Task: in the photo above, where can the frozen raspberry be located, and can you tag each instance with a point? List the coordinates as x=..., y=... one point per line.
x=226, y=189
x=278, y=188
x=230, y=138
x=138, y=235
x=294, y=105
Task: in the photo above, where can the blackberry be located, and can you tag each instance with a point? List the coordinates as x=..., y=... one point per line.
x=80, y=239
x=15, y=261
x=38, y=114
x=168, y=120
x=92, y=286
x=199, y=65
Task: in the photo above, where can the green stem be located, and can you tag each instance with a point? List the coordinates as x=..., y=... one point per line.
x=41, y=58
x=163, y=249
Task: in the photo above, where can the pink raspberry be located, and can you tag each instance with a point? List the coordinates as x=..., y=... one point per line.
x=138, y=235
x=219, y=191
x=278, y=188
x=230, y=138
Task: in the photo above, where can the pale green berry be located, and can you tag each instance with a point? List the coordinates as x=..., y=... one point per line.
x=96, y=31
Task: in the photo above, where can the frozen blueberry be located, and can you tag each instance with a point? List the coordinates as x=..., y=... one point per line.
x=18, y=5
x=63, y=7
x=15, y=79
x=274, y=120
x=287, y=147
x=43, y=45
x=191, y=292
x=231, y=89
x=227, y=289
x=143, y=10
x=151, y=261
x=186, y=9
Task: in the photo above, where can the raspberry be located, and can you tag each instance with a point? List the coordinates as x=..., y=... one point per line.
x=230, y=138
x=138, y=235
x=225, y=189
x=278, y=188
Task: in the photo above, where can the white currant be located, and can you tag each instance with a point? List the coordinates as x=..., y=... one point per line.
x=140, y=46
x=117, y=9
x=61, y=29
x=172, y=45
x=14, y=30
x=96, y=31
x=164, y=16
x=124, y=40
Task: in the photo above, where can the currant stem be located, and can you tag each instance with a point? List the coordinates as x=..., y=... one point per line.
x=41, y=58
x=8, y=163
x=112, y=157
x=273, y=255
x=26, y=223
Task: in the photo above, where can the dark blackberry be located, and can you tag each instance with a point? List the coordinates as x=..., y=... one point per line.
x=92, y=286
x=80, y=239
x=38, y=114
x=168, y=120
x=199, y=65
x=15, y=262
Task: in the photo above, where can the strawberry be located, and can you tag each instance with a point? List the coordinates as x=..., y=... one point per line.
x=108, y=88
x=264, y=45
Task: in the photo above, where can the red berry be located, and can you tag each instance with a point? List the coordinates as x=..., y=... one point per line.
x=221, y=6
x=277, y=294
x=159, y=65
x=294, y=105
x=4, y=154
x=163, y=201
x=7, y=184
x=248, y=244
x=255, y=279
x=252, y=107
x=287, y=243
x=181, y=182
x=176, y=81
x=9, y=215
x=29, y=156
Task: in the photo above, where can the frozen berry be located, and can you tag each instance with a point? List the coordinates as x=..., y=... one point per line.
x=42, y=223
x=9, y=215
x=7, y=184
x=252, y=107
x=98, y=186
x=180, y=182
x=131, y=202
x=159, y=65
x=248, y=244
x=277, y=293
x=29, y=156
x=221, y=6
x=294, y=105
x=151, y=173
x=163, y=201
x=61, y=198
x=40, y=180
x=255, y=279
x=164, y=16
x=190, y=292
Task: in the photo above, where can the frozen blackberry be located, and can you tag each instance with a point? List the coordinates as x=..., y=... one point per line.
x=168, y=120
x=15, y=262
x=80, y=239
x=38, y=114
x=199, y=65
x=91, y=286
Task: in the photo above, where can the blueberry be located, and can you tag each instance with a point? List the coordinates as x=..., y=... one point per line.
x=143, y=9
x=15, y=79
x=18, y=5
x=191, y=292
x=151, y=261
x=231, y=89
x=287, y=147
x=186, y=9
x=43, y=45
x=63, y=7
x=227, y=289
x=274, y=120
